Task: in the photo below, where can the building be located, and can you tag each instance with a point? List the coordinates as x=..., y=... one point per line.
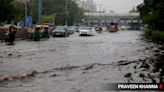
x=107, y=18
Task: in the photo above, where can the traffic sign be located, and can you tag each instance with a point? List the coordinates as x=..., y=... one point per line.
x=29, y=21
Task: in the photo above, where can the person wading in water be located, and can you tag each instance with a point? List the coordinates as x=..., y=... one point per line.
x=11, y=35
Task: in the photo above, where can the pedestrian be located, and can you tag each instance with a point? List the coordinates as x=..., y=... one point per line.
x=42, y=32
x=30, y=34
x=37, y=34
x=11, y=35
x=46, y=32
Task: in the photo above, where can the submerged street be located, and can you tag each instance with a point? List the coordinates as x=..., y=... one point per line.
x=73, y=64
x=81, y=46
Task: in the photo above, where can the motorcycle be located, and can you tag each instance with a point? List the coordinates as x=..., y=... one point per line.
x=98, y=29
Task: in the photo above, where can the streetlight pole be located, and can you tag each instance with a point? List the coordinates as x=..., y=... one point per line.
x=39, y=11
x=100, y=11
x=92, y=10
x=100, y=14
x=26, y=10
x=82, y=4
x=105, y=17
x=66, y=11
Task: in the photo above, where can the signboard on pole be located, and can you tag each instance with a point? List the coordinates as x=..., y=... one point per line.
x=29, y=21
x=21, y=24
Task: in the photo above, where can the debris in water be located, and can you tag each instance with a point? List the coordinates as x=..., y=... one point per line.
x=10, y=54
x=88, y=67
x=18, y=77
x=54, y=75
x=141, y=75
x=66, y=67
x=128, y=75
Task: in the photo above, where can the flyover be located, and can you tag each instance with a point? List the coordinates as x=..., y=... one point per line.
x=107, y=18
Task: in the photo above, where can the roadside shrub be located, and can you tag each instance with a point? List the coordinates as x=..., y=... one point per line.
x=158, y=36
x=148, y=32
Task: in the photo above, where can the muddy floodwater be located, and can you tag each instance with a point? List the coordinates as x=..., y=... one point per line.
x=74, y=64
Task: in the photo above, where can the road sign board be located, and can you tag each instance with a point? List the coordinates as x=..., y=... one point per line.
x=29, y=21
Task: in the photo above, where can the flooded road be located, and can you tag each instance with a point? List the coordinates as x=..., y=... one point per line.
x=73, y=64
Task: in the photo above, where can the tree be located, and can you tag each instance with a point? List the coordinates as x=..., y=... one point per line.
x=6, y=10
x=11, y=10
x=49, y=18
x=33, y=9
x=57, y=7
x=151, y=12
x=19, y=9
x=76, y=14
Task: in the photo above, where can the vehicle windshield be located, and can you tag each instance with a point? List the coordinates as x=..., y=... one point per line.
x=71, y=27
x=60, y=28
x=84, y=28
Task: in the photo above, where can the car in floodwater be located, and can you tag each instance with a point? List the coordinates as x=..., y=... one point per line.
x=60, y=31
x=86, y=31
x=71, y=29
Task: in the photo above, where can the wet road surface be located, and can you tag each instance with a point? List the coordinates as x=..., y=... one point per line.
x=73, y=64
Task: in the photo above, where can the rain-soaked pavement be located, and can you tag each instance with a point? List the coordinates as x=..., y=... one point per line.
x=74, y=64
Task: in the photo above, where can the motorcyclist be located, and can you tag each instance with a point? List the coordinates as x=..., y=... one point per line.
x=98, y=29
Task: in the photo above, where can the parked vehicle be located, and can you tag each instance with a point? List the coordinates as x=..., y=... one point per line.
x=77, y=29
x=71, y=29
x=60, y=31
x=86, y=31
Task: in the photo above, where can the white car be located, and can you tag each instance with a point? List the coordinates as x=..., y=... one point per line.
x=86, y=31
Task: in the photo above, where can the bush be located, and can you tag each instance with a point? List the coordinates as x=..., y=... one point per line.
x=154, y=35
x=158, y=36
x=148, y=33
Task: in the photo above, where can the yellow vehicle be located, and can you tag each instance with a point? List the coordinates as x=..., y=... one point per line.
x=43, y=30
x=41, y=26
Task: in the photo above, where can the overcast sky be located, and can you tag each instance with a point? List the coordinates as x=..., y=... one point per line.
x=119, y=6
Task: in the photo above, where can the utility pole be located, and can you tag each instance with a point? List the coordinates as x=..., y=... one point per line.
x=92, y=10
x=100, y=14
x=82, y=4
x=26, y=10
x=39, y=11
x=100, y=11
x=66, y=11
x=105, y=17
x=105, y=13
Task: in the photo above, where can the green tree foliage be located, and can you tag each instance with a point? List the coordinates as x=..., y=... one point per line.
x=52, y=10
x=6, y=10
x=18, y=9
x=57, y=7
x=49, y=18
x=11, y=10
x=33, y=9
x=151, y=12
